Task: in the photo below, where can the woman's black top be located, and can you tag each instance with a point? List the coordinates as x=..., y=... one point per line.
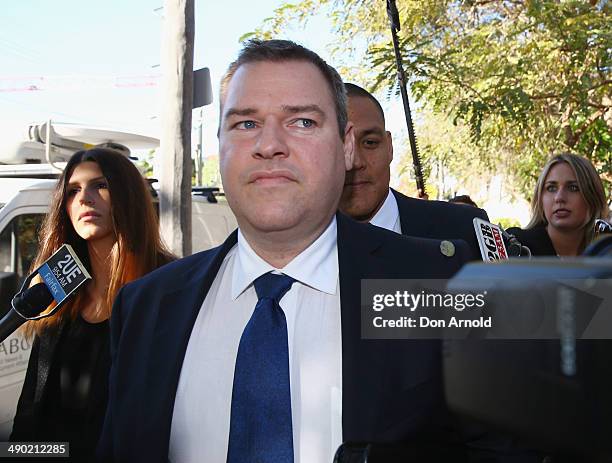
x=73, y=402
x=536, y=239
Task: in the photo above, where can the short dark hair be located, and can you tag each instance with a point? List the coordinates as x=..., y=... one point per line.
x=353, y=90
x=463, y=199
x=285, y=50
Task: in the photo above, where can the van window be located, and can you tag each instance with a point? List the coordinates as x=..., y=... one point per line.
x=19, y=244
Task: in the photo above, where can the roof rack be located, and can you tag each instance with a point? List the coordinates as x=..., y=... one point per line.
x=33, y=170
x=49, y=143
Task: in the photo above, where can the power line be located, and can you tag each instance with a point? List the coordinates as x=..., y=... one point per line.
x=19, y=50
x=97, y=120
x=40, y=108
x=15, y=84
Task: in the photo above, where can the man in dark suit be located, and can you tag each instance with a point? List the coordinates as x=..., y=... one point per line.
x=368, y=198
x=212, y=361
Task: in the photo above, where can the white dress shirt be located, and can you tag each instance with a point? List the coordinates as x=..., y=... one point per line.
x=388, y=215
x=201, y=416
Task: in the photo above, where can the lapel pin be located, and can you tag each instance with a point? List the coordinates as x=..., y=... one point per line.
x=447, y=248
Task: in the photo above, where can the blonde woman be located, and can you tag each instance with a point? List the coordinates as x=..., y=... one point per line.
x=568, y=198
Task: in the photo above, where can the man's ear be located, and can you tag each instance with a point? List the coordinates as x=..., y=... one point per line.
x=390, y=145
x=349, y=146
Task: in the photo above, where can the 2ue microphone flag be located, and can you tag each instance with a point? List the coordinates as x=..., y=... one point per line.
x=63, y=273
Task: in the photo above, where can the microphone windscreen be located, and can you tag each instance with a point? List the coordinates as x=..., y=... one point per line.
x=33, y=300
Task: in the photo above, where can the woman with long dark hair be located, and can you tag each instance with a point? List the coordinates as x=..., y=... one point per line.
x=103, y=209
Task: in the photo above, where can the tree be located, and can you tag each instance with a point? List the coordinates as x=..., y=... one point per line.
x=528, y=77
x=451, y=160
x=145, y=163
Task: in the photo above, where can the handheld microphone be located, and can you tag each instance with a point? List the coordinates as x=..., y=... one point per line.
x=602, y=227
x=514, y=246
x=490, y=240
x=493, y=239
x=63, y=273
x=25, y=305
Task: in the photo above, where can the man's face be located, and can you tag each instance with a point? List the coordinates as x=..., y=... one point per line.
x=367, y=184
x=282, y=159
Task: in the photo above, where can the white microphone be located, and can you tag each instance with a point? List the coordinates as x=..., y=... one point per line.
x=492, y=241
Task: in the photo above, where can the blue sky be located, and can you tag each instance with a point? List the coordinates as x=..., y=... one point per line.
x=70, y=40
x=75, y=50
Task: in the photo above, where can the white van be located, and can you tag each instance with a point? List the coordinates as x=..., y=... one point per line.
x=25, y=191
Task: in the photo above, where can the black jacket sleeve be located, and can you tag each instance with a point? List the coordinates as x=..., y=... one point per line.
x=26, y=417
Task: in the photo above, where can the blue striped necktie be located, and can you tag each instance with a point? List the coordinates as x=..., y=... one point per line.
x=260, y=423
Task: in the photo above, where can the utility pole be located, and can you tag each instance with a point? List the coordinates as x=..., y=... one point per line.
x=177, y=85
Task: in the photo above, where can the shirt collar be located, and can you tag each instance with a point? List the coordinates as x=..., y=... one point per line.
x=315, y=266
x=388, y=214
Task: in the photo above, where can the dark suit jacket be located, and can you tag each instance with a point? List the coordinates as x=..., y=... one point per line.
x=33, y=416
x=392, y=389
x=26, y=423
x=439, y=220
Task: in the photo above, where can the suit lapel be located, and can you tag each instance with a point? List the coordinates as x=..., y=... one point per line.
x=176, y=315
x=360, y=380
x=376, y=373
x=411, y=221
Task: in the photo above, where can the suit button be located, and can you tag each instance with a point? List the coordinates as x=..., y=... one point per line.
x=447, y=248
